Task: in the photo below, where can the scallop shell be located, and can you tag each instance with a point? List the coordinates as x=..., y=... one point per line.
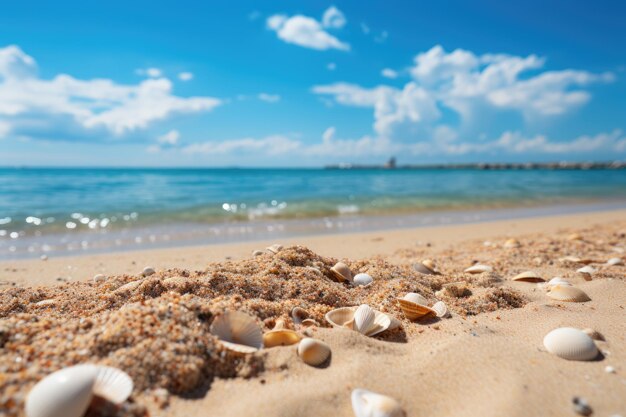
x=341, y=272
x=572, y=344
x=275, y=248
x=511, y=243
x=113, y=384
x=414, y=306
x=426, y=267
x=615, y=261
x=528, y=276
x=65, y=393
x=238, y=332
x=313, y=352
x=280, y=336
x=559, y=281
x=362, y=280
x=147, y=271
x=370, y=404
x=478, y=269
x=567, y=293
x=441, y=309
x=363, y=319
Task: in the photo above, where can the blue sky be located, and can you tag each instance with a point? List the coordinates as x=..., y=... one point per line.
x=285, y=83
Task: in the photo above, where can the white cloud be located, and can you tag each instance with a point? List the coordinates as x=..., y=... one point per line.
x=170, y=138
x=331, y=66
x=65, y=103
x=307, y=32
x=269, y=98
x=333, y=18
x=389, y=73
x=150, y=72
x=469, y=85
x=365, y=28
x=5, y=128
x=382, y=37
x=270, y=145
x=185, y=76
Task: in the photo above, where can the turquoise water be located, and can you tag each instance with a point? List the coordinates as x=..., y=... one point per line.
x=36, y=203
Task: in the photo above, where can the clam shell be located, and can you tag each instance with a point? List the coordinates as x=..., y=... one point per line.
x=559, y=281
x=65, y=393
x=441, y=309
x=147, y=271
x=237, y=331
x=426, y=267
x=362, y=280
x=586, y=270
x=577, y=260
x=113, y=384
x=312, y=351
x=361, y=322
x=478, y=269
x=99, y=278
x=528, y=276
x=511, y=243
x=370, y=404
x=275, y=248
x=298, y=314
x=309, y=323
x=567, y=293
x=414, y=306
x=341, y=272
x=280, y=336
x=615, y=261
x=572, y=344
x=575, y=236
x=415, y=298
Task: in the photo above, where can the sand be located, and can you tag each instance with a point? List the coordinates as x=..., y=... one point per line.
x=486, y=360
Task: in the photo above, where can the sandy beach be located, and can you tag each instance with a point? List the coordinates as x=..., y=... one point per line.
x=487, y=359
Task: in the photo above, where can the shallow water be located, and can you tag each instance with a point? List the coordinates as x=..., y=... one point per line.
x=60, y=210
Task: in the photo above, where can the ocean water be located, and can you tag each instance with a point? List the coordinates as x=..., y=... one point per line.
x=65, y=210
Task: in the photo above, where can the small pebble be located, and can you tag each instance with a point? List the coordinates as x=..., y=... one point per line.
x=99, y=278
x=609, y=370
x=581, y=406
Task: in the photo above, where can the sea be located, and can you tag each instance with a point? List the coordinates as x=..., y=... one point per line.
x=57, y=212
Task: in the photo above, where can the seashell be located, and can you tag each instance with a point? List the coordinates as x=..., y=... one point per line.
x=528, y=276
x=368, y=321
x=615, y=261
x=99, y=278
x=395, y=323
x=594, y=334
x=298, y=314
x=129, y=286
x=430, y=264
x=275, y=248
x=362, y=280
x=572, y=344
x=567, y=293
x=441, y=309
x=65, y=393
x=147, y=271
x=370, y=404
x=309, y=323
x=237, y=331
x=341, y=272
x=414, y=306
x=511, y=243
x=558, y=281
x=46, y=303
x=586, y=270
x=312, y=351
x=257, y=252
x=426, y=267
x=478, y=269
x=113, y=384
x=280, y=336
x=577, y=260
x=575, y=236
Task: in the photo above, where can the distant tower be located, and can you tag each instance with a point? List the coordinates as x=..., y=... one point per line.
x=391, y=163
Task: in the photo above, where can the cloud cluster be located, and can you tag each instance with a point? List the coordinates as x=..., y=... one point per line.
x=467, y=84
x=307, y=32
x=67, y=104
x=270, y=145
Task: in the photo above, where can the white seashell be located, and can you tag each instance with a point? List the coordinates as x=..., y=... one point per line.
x=559, y=281
x=528, y=276
x=511, y=243
x=362, y=280
x=65, y=393
x=99, y=278
x=238, y=332
x=441, y=309
x=395, y=323
x=312, y=351
x=414, y=306
x=615, y=261
x=113, y=384
x=426, y=267
x=567, y=293
x=478, y=269
x=586, y=270
x=257, y=252
x=46, y=303
x=370, y=404
x=147, y=271
x=577, y=260
x=416, y=298
x=572, y=344
x=346, y=317
x=342, y=272
x=275, y=248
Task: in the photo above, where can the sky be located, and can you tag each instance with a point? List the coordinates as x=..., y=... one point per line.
x=309, y=83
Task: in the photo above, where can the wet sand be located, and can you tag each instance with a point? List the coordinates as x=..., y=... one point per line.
x=486, y=360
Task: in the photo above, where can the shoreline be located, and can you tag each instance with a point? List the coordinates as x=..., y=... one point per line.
x=193, y=234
